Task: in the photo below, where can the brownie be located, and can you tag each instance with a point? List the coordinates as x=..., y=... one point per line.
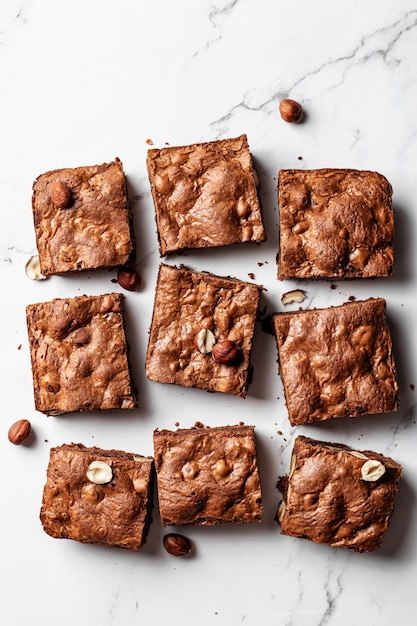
x=188, y=302
x=335, y=223
x=88, y=225
x=98, y=496
x=207, y=476
x=78, y=352
x=338, y=496
x=205, y=195
x=337, y=361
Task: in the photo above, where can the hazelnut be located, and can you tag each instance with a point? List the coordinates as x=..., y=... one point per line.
x=33, y=268
x=225, y=352
x=19, y=432
x=176, y=544
x=204, y=341
x=129, y=279
x=372, y=470
x=99, y=472
x=297, y=295
x=60, y=194
x=291, y=111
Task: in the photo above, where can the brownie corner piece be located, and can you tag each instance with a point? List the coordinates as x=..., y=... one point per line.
x=101, y=496
x=337, y=361
x=82, y=218
x=79, y=354
x=205, y=195
x=335, y=223
x=207, y=476
x=188, y=302
x=338, y=496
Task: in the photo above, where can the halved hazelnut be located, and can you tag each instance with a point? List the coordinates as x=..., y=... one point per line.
x=99, y=472
x=204, y=341
x=372, y=470
x=33, y=269
x=289, y=297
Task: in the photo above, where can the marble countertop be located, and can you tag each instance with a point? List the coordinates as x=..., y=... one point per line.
x=84, y=82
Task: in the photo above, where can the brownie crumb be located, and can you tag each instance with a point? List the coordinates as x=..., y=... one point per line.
x=412, y=387
x=351, y=298
x=333, y=286
x=149, y=142
x=251, y=275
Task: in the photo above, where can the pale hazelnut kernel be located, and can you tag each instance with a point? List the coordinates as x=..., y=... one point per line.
x=221, y=469
x=99, y=472
x=33, y=269
x=204, y=341
x=372, y=470
x=297, y=295
x=225, y=352
x=129, y=279
x=19, y=432
x=281, y=510
x=291, y=111
x=60, y=194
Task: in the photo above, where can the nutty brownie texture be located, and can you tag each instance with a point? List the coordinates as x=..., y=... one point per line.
x=78, y=352
x=186, y=302
x=78, y=505
x=335, y=223
x=93, y=228
x=338, y=496
x=205, y=195
x=207, y=476
x=336, y=362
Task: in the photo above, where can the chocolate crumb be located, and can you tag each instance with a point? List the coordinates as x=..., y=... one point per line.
x=279, y=432
x=19, y=347
x=251, y=275
x=332, y=286
x=351, y=298
x=260, y=263
x=412, y=387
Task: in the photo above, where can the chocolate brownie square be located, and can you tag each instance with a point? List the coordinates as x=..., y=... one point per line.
x=98, y=496
x=207, y=476
x=336, y=362
x=335, y=223
x=78, y=352
x=189, y=304
x=205, y=195
x=338, y=496
x=82, y=218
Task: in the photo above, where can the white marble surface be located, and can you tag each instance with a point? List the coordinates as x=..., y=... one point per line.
x=83, y=82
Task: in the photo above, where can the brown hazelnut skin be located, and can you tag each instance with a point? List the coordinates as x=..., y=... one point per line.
x=19, y=432
x=225, y=352
x=291, y=111
x=129, y=279
x=176, y=544
x=60, y=194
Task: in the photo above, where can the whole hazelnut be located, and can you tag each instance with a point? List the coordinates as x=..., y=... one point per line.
x=129, y=279
x=225, y=352
x=176, y=544
x=19, y=431
x=60, y=194
x=291, y=111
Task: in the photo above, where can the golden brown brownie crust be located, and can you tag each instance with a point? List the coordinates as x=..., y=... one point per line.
x=94, y=231
x=79, y=354
x=205, y=195
x=336, y=362
x=326, y=499
x=186, y=302
x=207, y=476
x=116, y=513
x=335, y=223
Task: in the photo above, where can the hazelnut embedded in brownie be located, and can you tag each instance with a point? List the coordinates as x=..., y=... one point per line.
x=338, y=496
x=82, y=218
x=335, y=223
x=337, y=361
x=205, y=195
x=202, y=330
x=78, y=353
x=207, y=476
x=98, y=496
